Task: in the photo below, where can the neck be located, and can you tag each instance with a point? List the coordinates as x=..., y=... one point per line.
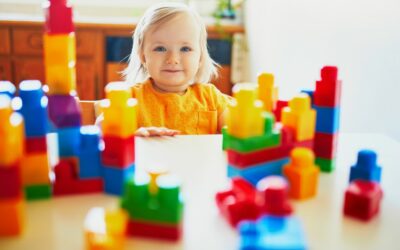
x=170, y=89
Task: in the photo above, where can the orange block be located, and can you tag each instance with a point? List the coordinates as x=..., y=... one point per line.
x=300, y=117
x=35, y=169
x=59, y=49
x=61, y=79
x=11, y=216
x=302, y=174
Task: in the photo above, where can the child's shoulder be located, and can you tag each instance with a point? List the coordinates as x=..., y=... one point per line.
x=205, y=87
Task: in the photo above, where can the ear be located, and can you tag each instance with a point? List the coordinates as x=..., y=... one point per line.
x=142, y=58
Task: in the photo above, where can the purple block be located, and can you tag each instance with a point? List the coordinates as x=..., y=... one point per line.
x=64, y=111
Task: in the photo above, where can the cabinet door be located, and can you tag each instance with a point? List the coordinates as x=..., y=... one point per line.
x=27, y=41
x=5, y=41
x=87, y=80
x=5, y=70
x=28, y=69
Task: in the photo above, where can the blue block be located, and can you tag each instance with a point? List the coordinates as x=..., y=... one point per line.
x=114, y=178
x=69, y=141
x=89, y=153
x=366, y=167
x=272, y=233
x=7, y=88
x=255, y=173
x=327, y=119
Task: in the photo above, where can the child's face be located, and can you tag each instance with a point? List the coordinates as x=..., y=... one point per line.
x=171, y=53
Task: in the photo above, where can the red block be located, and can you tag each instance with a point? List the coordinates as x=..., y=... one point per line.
x=274, y=196
x=118, y=152
x=278, y=109
x=58, y=17
x=238, y=202
x=325, y=145
x=151, y=230
x=362, y=199
x=35, y=145
x=10, y=181
x=328, y=89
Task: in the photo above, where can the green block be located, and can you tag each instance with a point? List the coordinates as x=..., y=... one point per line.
x=38, y=192
x=164, y=206
x=326, y=165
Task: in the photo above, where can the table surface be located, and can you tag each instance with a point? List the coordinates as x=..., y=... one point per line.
x=199, y=161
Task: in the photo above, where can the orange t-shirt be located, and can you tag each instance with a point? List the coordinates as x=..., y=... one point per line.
x=194, y=112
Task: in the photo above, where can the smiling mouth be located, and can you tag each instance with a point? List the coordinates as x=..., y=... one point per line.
x=172, y=71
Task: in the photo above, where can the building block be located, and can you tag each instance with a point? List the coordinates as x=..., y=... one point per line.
x=327, y=119
x=272, y=232
x=7, y=88
x=300, y=117
x=118, y=93
x=10, y=181
x=89, y=152
x=267, y=92
x=245, y=114
x=38, y=192
x=274, y=196
x=64, y=111
x=35, y=145
x=280, y=104
x=69, y=139
x=105, y=229
x=11, y=216
x=35, y=169
x=165, y=206
x=118, y=152
x=58, y=17
x=328, y=89
x=302, y=174
x=362, y=199
x=115, y=177
x=61, y=79
x=325, y=145
x=162, y=231
x=325, y=165
x=59, y=49
x=238, y=202
x=366, y=167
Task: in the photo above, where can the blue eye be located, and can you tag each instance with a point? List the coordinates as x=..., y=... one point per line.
x=160, y=48
x=186, y=49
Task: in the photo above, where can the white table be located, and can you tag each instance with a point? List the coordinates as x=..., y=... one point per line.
x=57, y=223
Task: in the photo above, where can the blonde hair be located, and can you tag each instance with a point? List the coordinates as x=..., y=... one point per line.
x=135, y=72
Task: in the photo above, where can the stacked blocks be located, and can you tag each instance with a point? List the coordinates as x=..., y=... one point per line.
x=364, y=194
x=302, y=174
x=89, y=152
x=105, y=229
x=118, y=127
x=35, y=163
x=11, y=153
x=155, y=206
x=268, y=93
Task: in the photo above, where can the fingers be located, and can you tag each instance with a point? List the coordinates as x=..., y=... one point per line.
x=156, y=131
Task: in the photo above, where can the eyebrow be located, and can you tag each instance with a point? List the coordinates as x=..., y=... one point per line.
x=162, y=43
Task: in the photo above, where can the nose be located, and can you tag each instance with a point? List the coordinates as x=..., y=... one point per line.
x=172, y=58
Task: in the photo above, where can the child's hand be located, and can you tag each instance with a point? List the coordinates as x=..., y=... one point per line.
x=156, y=131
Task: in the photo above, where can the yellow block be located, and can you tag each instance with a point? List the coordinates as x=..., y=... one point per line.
x=267, y=93
x=302, y=174
x=300, y=117
x=59, y=49
x=61, y=79
x=154, y=174
x=35, y=169
x=245, y=117
x=118, y=93
x=11, y=216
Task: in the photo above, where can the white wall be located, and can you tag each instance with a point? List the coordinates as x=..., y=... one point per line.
x=294, y=38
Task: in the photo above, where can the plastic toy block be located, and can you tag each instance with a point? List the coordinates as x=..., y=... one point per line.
x=327, y=119
x=35, y=169
x=300, y=117
x=115, y=177
x=255, y=173
x=238, y=202
x=325, y=165
x=310, y=93
x=11, y=216
x=118, y=152
x=61, y=79
x=69, y=141
x=280, y=104
x=35, y=145
x=166, y=206
x=38, y=192
x=59, y=49
x=302, y=174
x=10, y=181
x=162, y=231
x=328, y=89
x=64, y=111
x=325, y=145
x=105, y=229
x=11, y=133
x=118, y=93
x=274, y=196
x=362, y=199
x=34, y=108
x=7, y=88
x=267, y=93
x=366, y=167
x=272, y=232
x=119, y=121
x=89, y=152
x=245, y=114
x=58, y=16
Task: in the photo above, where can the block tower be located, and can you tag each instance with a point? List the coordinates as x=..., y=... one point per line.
x=11, y=153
